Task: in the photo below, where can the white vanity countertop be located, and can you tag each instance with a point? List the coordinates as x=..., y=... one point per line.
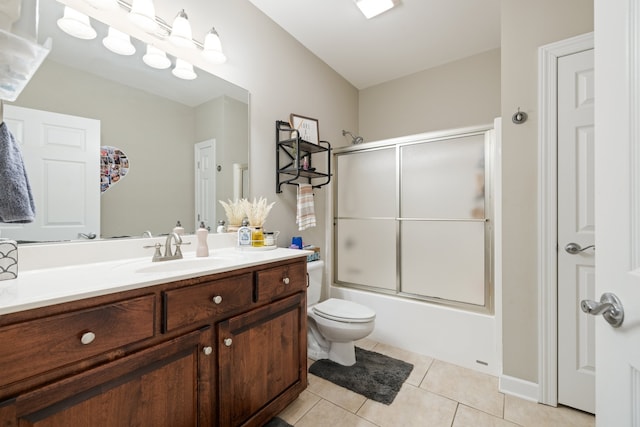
x=48, y=286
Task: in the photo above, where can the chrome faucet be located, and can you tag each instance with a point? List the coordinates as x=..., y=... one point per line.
x=168, y=255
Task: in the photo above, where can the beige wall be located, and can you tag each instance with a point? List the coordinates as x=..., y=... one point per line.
x=282, y=77
x=458, y=94
x=525, y=27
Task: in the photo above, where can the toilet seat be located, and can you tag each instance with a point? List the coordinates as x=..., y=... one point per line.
x=344, y=311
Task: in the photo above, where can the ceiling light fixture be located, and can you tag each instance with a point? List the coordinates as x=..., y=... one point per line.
x=212, y=50
x=156, y=58
x=118, y=42
x=371, y=8
x=183, y=70
x=76, y=24
x=181, y=31
x=143, y=14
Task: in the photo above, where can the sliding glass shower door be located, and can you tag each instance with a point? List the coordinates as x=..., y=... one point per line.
x=366, y=220
x=413, y=219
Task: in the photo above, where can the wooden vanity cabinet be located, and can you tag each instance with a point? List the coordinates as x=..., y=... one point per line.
x=268, y=343
x=166, y=385
x=221, y=350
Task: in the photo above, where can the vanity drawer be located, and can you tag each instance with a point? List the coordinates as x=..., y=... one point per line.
x=206, y=302
x=37, y=346
x=277, y=282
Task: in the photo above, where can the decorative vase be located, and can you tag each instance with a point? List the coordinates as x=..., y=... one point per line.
x=8, y=259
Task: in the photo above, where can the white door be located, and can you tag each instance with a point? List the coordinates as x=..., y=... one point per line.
x=205, y=158
x=617, y=163
x=62, y=158
x=576, y=230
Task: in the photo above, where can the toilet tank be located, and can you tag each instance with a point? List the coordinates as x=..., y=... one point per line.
x=315, y=269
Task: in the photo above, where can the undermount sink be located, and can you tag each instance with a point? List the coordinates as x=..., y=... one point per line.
x=185, y=264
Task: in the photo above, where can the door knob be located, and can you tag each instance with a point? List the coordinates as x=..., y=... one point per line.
x=574, y=248
x=609, y=306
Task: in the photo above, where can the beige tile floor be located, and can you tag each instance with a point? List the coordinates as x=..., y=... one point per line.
x=435, y=394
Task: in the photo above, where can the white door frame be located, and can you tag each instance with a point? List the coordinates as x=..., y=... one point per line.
x=548, y=211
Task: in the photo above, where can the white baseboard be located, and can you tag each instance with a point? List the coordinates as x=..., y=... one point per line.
x=517, y=387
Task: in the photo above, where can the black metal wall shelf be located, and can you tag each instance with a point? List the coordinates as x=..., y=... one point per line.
x=290, y=155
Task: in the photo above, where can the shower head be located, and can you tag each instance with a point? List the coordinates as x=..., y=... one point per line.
x=354, y=139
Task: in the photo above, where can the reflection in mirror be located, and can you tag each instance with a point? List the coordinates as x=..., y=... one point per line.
x=161, y=122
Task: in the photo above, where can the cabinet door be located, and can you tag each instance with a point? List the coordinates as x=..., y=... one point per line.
x=262, y=360
x=165, y=385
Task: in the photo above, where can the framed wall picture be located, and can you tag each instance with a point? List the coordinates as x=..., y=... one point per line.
x=306, y=127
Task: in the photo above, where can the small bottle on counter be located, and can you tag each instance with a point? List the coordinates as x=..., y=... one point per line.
x=222, y=228
x=269, y=238
x=257, y=237
x=178, y=229
x=202, y=250
x=244, y=234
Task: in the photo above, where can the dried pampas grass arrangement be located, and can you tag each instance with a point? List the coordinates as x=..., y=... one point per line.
x=257, y=211
x=234, y=211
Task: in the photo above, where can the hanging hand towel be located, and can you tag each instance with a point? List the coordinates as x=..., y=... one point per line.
x=16, y=200
x=306, y=217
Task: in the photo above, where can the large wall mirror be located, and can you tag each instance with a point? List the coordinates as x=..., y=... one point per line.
x=156, y=119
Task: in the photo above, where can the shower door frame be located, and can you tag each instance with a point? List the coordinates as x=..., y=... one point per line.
x=490, y=155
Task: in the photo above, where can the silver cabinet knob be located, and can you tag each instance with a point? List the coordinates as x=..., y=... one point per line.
x=217, y=299
x=207, y=350
x=609, y=306
x=228, y=342
x=574, y=248
x=285, y=280
x=87, y=338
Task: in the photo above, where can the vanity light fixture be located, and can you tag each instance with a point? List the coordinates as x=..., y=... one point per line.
x=372, y=8
x=156, y=58
x=143, y=14
x=118, y=42
x=76, y=24
x=212, y=50
x=181, y=31
x=183, y=70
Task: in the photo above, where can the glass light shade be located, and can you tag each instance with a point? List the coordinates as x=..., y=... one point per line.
x=156, y=58
x=76, y=24
x=371, y=8
x=183, y=70
x=118, y=42
x=143, y=14
x=104, y=4
x=212, y=51
x=181, y=31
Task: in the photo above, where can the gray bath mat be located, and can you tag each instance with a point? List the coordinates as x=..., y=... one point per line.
x=277, y=422
x=375, y=376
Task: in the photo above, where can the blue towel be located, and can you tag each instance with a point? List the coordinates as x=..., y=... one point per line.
x=16, y=200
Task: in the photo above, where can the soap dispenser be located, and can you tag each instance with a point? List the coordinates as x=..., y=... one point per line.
x=202, y=250
x=178, y=229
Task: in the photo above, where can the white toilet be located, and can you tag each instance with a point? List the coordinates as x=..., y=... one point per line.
x=334, y=324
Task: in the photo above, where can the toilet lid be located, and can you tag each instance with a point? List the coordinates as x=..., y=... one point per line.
x=344, y=311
